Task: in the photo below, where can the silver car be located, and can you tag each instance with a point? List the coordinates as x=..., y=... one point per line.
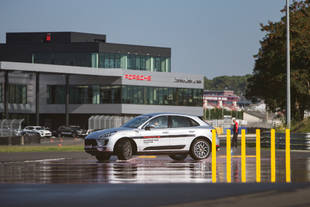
x=176, y=135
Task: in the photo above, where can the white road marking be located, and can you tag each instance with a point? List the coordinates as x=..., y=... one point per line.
x=45, y=160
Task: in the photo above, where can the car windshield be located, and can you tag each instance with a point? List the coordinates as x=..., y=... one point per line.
x=136, y=122
x=38, y=128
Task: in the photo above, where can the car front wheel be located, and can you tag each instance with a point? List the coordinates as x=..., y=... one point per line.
x=200, y=149
x=124, y=150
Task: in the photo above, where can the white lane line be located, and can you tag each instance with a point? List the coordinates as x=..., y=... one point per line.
x=45, y=160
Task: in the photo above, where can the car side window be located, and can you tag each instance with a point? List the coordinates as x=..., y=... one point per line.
x=181, y=121
x=193, y=122
x=159, y=122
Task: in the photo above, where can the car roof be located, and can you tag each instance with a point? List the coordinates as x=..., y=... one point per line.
x=168, y=114
x=33, y=126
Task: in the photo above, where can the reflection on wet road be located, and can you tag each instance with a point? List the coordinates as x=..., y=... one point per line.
x=148, y=169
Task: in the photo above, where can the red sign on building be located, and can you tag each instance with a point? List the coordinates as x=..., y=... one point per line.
x=138, y=77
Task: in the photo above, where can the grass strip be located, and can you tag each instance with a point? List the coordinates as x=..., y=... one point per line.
x=60, y=148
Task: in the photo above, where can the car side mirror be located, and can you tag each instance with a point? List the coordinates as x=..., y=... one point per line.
x=149, y=127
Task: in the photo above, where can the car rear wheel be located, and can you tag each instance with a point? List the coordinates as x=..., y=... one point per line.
x=124, y=150
x=178, y=157
x=200, y=149
x=103, y=157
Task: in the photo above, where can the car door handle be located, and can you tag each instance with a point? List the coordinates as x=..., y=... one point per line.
x=191, y=131
x=165, y=132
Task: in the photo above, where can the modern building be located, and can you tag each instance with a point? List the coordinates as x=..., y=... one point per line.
x=225, y=99
x=58, y=78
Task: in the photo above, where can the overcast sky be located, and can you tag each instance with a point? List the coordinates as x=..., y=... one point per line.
x=207, y=37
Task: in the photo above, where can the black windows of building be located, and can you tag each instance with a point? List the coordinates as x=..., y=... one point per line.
x=106, y=60
x=72, y=59
x=17, y=94
x=125, y=94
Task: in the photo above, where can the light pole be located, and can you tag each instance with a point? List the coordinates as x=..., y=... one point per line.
x=288, y=73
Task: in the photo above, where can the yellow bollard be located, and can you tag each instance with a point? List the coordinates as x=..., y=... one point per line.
x=243, y=157
x=273, y=156
x=213, y=156
x=288, y=156
x=258, y=178
x=228, y=157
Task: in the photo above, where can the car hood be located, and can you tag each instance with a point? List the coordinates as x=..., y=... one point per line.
x=96, y=134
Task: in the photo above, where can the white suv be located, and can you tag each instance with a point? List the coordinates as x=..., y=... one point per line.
x=176, y=135
x=38, y=129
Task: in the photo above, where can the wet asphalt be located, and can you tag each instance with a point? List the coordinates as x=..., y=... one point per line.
x=79, y=167
x=78, y=179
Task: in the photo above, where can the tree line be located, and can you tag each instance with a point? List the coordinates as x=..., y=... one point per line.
x=268, y=80
x=236, y=83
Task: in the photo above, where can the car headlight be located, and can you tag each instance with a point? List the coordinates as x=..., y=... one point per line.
x=102, y=142
x=106, y=135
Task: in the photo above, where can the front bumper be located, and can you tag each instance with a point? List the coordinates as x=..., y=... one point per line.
x=91, y=146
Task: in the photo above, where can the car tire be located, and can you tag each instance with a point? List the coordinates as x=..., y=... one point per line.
x=124, y=150
x=103, y=157
x=200, y=149
x=178, y=157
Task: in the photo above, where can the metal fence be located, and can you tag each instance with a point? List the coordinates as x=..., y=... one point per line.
x=300, y=141
x=105, y=122
x=10, y=127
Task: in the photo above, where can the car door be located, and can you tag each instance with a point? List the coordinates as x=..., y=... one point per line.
x=154, y=135
x=181, y=131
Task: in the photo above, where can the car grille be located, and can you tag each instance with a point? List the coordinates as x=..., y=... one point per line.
x=91, y=142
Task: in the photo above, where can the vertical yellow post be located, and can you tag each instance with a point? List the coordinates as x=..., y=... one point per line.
x=243, y=157
x=213, y=156
x=273, y=156
x=228, y=158
x=288, y=156
x=258, y=179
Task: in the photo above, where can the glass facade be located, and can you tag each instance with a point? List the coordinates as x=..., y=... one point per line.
x=125, y=94
x=17, y=94
x=72, y=59
x=106, y=60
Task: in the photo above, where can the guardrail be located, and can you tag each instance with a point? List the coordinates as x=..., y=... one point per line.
x=21, y=140
x=300, y=141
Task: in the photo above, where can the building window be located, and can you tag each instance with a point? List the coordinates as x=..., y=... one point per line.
x=109, y=60
x=73, y=59
x=105, y=60
x=125, y=95
x=56, y=94
x=17, y=94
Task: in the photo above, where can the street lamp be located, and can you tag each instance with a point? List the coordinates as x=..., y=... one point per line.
x=288, y=73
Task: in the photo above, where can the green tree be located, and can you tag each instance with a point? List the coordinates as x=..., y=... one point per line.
x=236, y=83
x=268, y=82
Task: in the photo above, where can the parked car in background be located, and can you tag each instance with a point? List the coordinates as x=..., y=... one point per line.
x=72, y=131
x=36, y=129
